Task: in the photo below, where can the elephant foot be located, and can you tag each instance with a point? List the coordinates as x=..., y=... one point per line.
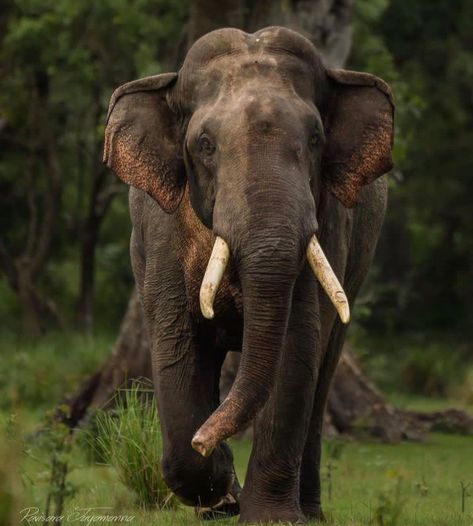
x=271, y=514
x=227, y=507
x=314, y=512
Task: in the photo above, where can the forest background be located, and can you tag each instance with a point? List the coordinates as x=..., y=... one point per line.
x=71, y=329
x=65, y=274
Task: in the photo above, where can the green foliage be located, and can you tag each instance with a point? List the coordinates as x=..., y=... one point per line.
x=464, y=495
x=42, y=373
x=390, y=503
x=430, y=371
x=333, y=452
x=422, y=365
x=59, y=441
x=129, y=438
x=464, y=391
x=371, y=53
x=365, y=470
x=60, y=60
x=425, y=256
x=10, y=484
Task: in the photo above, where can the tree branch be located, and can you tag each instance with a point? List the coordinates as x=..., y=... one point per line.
x=7, y=262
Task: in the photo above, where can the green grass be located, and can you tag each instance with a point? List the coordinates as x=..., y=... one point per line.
x=410, y=402
x=36, y=376
x=129, y=439
x=429, y=475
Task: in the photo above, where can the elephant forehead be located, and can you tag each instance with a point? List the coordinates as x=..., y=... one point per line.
x=228, y=59
x=229, y=41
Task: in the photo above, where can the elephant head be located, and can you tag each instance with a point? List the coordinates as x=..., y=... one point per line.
x=258, y=129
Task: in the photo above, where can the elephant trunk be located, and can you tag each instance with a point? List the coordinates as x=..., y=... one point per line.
x=267, y=294
x=268, y=250
x=267, y=283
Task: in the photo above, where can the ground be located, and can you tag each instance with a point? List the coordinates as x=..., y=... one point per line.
x=408, y=484
x=365, y=482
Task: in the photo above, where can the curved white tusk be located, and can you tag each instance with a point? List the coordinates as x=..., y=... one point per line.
x=326, y=276
x=213, y=276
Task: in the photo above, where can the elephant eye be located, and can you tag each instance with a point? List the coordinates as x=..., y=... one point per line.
x=314, y=139
x=206, y=147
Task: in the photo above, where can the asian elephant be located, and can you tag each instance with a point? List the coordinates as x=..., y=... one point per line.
x=256, y=208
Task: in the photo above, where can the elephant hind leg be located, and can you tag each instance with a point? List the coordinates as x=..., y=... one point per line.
x=367, y=221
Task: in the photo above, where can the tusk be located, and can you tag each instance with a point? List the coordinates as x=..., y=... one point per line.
x=213, y=276
x=326, y=276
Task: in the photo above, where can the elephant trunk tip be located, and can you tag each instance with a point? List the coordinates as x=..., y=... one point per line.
x=201, y=445
x=220, y=425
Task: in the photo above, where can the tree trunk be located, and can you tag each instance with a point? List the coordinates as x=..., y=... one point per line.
x=130, y=361
x=101, y=197
x=103, y=190
x=354, y=402
x=85, y=307
x=43, y=178
x=356, y=406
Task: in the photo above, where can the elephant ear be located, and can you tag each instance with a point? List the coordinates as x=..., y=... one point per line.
x=359, y=128
x=142, y=140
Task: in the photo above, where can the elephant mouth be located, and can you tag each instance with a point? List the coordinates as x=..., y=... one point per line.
x=315, y=256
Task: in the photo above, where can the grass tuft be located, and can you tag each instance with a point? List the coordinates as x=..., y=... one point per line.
x=129, y=439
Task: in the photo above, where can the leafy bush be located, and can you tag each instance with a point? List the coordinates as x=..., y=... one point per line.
x=429, y=366
x=464, y=391
x=391, y=503
x=39, y=374
x=129, y=439
x=431, y=370
x=59, y=441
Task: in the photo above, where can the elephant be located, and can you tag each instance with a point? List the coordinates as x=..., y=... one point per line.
x=256, y=203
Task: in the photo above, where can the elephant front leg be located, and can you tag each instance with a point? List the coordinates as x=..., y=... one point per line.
x=186, y=370
x=271, y=490
x=310, y=484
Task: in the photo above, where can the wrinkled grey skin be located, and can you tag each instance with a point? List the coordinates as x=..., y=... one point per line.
x=254, y=141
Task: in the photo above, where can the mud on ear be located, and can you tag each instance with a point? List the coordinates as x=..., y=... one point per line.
x=359, y=129
x=142, y=140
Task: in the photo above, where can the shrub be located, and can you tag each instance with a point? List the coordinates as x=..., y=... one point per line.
x=431, y=365
x=57, y=440
x=129, y=439
x=431, y=370
x=391, y=503
x=40, y=374
x=465, y=390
